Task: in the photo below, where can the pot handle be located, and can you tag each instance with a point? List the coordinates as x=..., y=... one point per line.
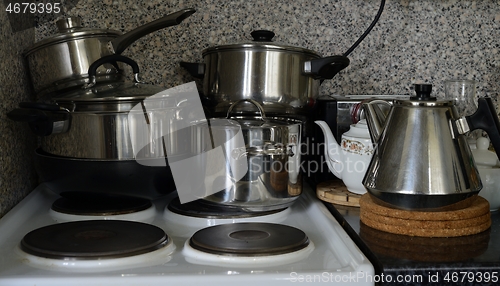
x=325, y=68
x=255, y=103
x=119, y=44
x=486, y=118
x=111, y=59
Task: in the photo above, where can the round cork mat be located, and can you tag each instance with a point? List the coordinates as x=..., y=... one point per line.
x=336, y=192
x=478, y=207
x=425, y=249
x=467, y=221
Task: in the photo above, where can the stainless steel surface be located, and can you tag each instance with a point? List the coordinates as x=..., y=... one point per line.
x=107, y=135
x=271, y=155
x=420, y=156
x=111, y=121
x=61, y=62
x=271, y=74
x=64, y=65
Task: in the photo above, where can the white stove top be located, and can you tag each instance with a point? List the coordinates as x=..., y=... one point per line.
x=332, y=257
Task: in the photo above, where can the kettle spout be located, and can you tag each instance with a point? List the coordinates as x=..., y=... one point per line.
x=376, y=114
x=332, y=149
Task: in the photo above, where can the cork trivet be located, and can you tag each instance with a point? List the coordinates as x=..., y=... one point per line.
x=479, y=206
x=425, y=249
x=426, y=232
x=427, y=224
x=335, y=192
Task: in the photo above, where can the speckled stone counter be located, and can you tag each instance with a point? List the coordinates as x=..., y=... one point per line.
x=468, y=260
x=17, y=174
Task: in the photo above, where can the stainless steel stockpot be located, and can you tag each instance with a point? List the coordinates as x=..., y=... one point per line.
x=284, y=79
x=272, y=157
x=61, y=62
x=101, y=122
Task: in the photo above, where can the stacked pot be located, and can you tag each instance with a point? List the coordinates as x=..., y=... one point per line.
x=83, y=114
x=268, y=89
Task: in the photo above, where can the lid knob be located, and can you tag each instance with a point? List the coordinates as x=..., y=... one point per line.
x=423, y=92
x=262, y=35
x=68, y=23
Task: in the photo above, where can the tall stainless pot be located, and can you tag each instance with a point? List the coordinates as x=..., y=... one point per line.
x=61, y=62
x=101, y=123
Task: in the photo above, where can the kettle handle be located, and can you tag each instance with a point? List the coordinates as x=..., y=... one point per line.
x=486, y=118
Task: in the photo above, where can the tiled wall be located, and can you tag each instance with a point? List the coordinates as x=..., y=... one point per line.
x=415, y=41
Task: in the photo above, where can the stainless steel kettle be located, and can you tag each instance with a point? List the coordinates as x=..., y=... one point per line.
x=422, y=160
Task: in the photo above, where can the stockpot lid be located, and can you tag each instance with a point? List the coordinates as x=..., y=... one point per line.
x=70, y=29
x=262, y=41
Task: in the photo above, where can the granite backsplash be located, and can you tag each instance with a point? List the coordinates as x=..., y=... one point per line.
x=17, y=175
x=424, y=41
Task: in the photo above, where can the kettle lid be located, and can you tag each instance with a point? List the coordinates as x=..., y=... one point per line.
x=423, y=92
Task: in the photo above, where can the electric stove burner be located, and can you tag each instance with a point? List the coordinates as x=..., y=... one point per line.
x=102, y=206
x=249, y=239
x=94, y=240
x=203, y=209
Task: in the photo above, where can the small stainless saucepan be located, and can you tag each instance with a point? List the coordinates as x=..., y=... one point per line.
x=273, y=179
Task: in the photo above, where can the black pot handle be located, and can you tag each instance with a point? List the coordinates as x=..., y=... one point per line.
x=119, y=44
x=43, y=118
x=326, y=68
x=486, y=118
x=111, y=59
x=39, y=121
x=196, y=70
x=41, y=106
